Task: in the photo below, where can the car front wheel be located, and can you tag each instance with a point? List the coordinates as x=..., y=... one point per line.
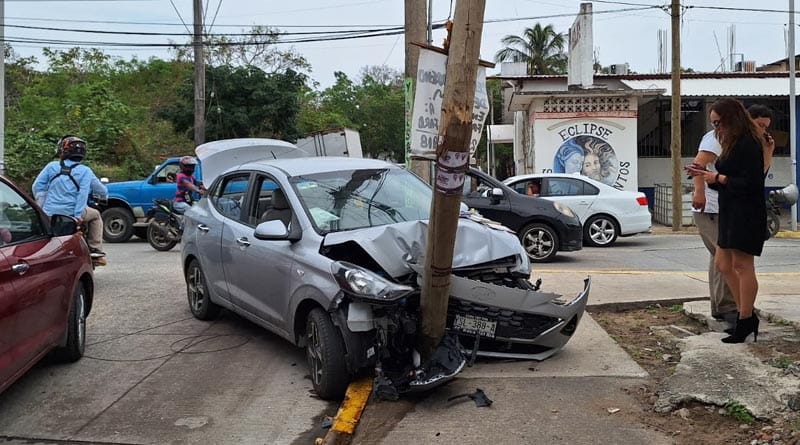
x=540, y=242
x=75, y=343
x=197, y=292
x=117, y=225
x=600, y=231
x=325, y=353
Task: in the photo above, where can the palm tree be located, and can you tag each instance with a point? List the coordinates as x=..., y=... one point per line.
x=541, y=48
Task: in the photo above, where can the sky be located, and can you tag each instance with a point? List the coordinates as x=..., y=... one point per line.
x=625, y=34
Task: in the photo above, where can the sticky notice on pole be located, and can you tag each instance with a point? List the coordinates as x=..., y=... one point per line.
x=450, y=172
x=427, y=114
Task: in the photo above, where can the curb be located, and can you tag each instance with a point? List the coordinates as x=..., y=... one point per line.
x=346, y=420
x=787, y=234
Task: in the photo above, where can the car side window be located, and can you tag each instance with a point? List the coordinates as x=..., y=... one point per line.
x=589, y=189
x=564, y=187
x=476, y=187
x=227, y=197
x=19, y=220
x=265, y=204
x=168, y=173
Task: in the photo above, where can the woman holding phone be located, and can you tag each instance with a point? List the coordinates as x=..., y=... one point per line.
x=739, y=179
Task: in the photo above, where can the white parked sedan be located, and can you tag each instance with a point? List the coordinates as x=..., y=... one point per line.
x=604, y=211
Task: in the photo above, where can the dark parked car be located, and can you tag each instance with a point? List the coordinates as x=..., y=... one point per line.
x=544, y=227
x=46, y=285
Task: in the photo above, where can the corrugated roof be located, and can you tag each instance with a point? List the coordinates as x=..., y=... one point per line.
x=717, y=87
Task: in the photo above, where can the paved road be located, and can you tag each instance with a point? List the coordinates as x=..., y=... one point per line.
x=153, y=374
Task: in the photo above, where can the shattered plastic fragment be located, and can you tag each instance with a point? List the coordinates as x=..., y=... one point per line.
x=479, y=397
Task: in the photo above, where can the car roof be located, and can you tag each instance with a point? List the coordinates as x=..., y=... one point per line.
x=319, y=164
x=554, y=175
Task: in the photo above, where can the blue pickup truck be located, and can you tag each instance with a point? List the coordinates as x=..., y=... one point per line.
x=129, y=201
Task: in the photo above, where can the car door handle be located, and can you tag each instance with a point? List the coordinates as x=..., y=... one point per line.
x=203, y=228
x=242, y=242
x=20, y=268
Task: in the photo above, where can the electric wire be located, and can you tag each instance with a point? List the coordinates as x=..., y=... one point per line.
x=171, y=2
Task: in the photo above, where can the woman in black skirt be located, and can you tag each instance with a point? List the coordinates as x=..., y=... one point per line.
x=742, y=209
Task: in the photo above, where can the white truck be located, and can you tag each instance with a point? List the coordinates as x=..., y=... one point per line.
x=335, y=142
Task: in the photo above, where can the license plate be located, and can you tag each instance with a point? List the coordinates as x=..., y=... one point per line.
x=469, y=324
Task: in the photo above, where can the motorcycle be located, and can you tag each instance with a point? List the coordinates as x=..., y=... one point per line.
x=776, y=199
x=165, y=225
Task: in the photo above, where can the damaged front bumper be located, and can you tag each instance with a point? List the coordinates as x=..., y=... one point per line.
x=510, y=322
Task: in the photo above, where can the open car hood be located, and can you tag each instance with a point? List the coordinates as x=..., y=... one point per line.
x=218, y=156
x=394, y=246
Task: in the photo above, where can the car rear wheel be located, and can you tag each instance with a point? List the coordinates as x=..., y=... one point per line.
x=600, y=231
x=540, y=242
x=75, y=343
x=117, y=225
x=197, y=291
x=325, y=353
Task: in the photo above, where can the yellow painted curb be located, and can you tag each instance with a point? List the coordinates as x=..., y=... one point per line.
x=355, y=399
x=787, y=234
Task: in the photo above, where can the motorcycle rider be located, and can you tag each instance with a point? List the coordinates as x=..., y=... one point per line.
x=187, y=184
x=63, y=188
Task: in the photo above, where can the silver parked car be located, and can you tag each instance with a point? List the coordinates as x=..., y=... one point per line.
x=327, y=253
x=605, y=212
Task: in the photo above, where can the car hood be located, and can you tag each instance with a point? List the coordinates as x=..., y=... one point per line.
x=111, y=186
x=394, y=246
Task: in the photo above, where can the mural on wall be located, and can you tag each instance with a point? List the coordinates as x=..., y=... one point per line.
x=589, y=156
x=601, y=149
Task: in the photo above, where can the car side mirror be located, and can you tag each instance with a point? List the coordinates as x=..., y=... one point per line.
x=497, y=193
x=104, y=180
x=62, y=225
x=272, y=230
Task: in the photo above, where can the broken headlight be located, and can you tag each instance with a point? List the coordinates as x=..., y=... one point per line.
x=367, y=285
x=564, y=209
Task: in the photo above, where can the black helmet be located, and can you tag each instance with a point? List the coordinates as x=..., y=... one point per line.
x=187, y=164
x=71, y=147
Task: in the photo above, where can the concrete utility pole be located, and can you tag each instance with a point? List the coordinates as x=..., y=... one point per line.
x=452, y=157
x=675, y=146
x=199, y=76
x=792, y=109
x=416, y=30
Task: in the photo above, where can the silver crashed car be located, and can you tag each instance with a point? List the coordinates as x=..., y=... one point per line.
x=327, y=253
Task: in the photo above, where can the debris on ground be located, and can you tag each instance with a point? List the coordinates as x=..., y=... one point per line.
x=479, y=397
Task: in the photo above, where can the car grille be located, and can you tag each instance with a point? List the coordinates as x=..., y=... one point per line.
x=510, y=324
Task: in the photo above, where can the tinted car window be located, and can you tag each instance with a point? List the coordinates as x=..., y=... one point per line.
x=564, y=187
x=475, y=187
x=227, y=197
x=19, y=219
x=352, y=199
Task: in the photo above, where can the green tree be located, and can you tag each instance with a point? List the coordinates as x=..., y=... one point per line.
x=373, y=105
x=242, y=102
x=254, y=48
x=541, y=48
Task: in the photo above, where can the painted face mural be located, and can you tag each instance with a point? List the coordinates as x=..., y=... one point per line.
x=589, y=155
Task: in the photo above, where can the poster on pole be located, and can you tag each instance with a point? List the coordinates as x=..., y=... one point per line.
x=426, y=118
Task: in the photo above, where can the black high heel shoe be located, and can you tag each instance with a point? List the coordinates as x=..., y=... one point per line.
x=744, y=327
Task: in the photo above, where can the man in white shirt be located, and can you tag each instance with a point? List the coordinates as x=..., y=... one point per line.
x=705, y=209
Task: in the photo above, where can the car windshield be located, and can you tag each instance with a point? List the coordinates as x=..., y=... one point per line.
x=354, y=199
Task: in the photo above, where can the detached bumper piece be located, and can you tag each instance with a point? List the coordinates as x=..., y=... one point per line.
x=510, y=322
x=445, y=363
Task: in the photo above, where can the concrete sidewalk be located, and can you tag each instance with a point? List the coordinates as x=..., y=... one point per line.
x=578, y=396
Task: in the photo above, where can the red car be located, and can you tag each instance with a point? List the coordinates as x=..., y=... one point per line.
x=46, y=285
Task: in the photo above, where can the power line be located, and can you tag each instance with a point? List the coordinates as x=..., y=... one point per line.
x=145, y=33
